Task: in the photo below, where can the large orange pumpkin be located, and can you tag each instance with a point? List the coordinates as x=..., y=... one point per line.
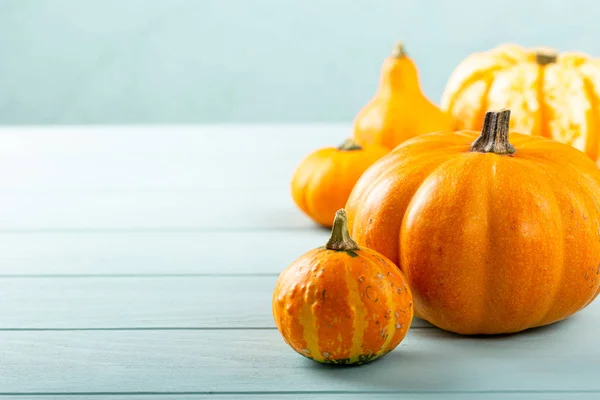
x=323, y=181
x=341, y=303
x=399, y=110
x=492, y=237
x=549, y=94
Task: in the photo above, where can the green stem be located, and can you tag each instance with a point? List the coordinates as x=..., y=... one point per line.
x=349, y=145
x=340, y=239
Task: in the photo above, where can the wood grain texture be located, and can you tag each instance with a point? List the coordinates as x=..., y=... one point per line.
x=168, y=302
x=154, y=178
x=231, y=209
x=428, y=361
x=155, y=253
x=151, y=158
x=148, y=139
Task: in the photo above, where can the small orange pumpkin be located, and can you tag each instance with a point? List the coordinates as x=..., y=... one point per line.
x=492, y=238
x=341, y=303
x=323, y=181
x=399, y=110
x=549, y=94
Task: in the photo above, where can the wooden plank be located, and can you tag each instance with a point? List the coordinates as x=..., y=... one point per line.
x=229, y=362
x=160, y=171
x=158, y=139
x=202, y=302
x=143, y=178
x=91, y=159
x=155, y=253
x=149, y=210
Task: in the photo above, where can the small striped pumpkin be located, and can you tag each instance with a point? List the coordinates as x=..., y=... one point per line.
x=342, y=304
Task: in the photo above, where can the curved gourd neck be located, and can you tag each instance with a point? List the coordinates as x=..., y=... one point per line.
x=399, y=73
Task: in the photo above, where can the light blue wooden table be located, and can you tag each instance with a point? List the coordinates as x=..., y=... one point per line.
x=138, y=263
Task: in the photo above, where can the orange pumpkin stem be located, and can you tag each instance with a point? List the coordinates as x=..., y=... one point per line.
x=340, y=239
x=399, y=50
x=349, y=145
x=494, y=135
x=546, y=56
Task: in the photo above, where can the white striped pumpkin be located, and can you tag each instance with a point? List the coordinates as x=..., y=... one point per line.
x=549, y=94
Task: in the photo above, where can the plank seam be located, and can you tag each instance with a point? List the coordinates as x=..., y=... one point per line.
x=150, y=275
x=297, y=392
x=159, y=328
x=165, y=230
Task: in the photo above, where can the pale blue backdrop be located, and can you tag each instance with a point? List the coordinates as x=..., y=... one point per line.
x=213, y=61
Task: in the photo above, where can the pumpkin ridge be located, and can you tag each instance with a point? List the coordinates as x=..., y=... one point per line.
x=359, y=312
x=383, y=170
x=390, y=329
x=591, y=147
x=597, y=207
x=487, y=283
x=542, y=164
x=292, y=331
x=310, y=333
x=360, y=199
x=544, y=179
x=598, y=227
x=544, y=302
x=447, y=158
x=565, y=262
x=453, y=157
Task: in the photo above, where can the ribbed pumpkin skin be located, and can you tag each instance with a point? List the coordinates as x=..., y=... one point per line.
x=559, y=100
x=323, y=181
x=342, y=307
x=489, y=243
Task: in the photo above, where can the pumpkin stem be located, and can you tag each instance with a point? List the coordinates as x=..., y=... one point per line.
x=340, y=239
x=399, y=50
x=494, y=135
x=545, y=56
x=349, y=145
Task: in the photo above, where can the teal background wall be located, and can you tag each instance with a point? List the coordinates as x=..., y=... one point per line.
x=213, y=61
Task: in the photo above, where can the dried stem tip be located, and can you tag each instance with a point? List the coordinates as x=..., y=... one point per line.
x=349, y=145
x=399, y=50
x=494, y=135
x=546, y=56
